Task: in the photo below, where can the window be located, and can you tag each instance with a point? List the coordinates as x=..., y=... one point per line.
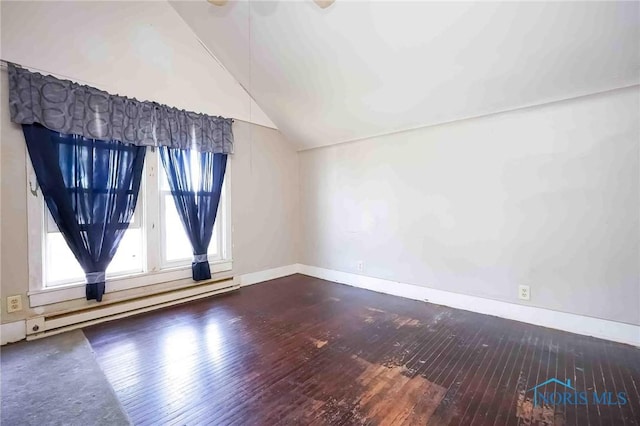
x=61, y=267
x=154, y=249
x=176, y=248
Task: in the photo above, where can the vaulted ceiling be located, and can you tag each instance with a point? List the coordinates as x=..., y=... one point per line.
x=359, y=69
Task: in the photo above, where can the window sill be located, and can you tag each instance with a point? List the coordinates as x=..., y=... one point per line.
x=48, y=296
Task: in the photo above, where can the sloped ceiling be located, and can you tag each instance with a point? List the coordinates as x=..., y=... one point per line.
x=359, y=69
x=137, y=49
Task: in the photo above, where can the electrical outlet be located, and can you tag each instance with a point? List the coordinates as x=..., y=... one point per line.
x=360, y=266
x=524, y=292
x=14, y=303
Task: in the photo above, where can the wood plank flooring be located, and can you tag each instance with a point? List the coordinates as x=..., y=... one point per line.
x=300, y=350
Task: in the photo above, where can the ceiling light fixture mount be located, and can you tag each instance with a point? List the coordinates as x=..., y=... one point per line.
x=323, y=4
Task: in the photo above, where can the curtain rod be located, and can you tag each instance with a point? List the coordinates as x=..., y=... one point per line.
x=4, y=64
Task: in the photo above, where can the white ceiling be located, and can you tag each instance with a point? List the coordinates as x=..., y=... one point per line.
x=359, y=69
x=156, y=54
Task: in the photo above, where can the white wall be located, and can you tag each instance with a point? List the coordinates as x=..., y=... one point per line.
x=546, y=196
x=137, y=49
x=143, y=50
x=264, y=200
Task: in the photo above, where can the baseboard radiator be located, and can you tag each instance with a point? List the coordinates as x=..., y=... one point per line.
x=43, y=326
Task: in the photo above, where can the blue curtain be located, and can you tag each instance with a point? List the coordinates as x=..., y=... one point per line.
x=91, y=188
x=196, y=196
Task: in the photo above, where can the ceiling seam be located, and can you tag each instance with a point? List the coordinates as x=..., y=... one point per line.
x=215, y=58
x=443, y=123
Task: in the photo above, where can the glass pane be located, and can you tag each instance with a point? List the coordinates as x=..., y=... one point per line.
x=61, y=267
x=194, y=166
x=135, y=222
x=176, y=243
x=128, y=258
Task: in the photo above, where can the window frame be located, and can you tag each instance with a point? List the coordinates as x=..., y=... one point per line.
x=155, y=272
x=223, y=243
x=137, y=223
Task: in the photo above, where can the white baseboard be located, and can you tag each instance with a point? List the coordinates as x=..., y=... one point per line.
x=269, y=274
x=579, y=324
x=43, y=326
x=13, y=332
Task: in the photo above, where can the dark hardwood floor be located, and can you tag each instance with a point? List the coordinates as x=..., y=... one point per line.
x=299, y=350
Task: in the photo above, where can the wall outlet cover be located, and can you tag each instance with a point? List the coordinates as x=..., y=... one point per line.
x=14, y=303
x=524, y=292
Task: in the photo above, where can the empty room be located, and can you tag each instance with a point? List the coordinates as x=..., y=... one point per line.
x=319, y=212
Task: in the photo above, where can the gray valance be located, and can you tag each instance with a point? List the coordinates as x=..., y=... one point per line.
x=67, y=107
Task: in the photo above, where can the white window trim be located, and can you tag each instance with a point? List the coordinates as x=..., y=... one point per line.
x=40, y=295
x=223, y=244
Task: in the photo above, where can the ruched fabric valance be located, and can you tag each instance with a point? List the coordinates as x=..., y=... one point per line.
x=71, y=108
